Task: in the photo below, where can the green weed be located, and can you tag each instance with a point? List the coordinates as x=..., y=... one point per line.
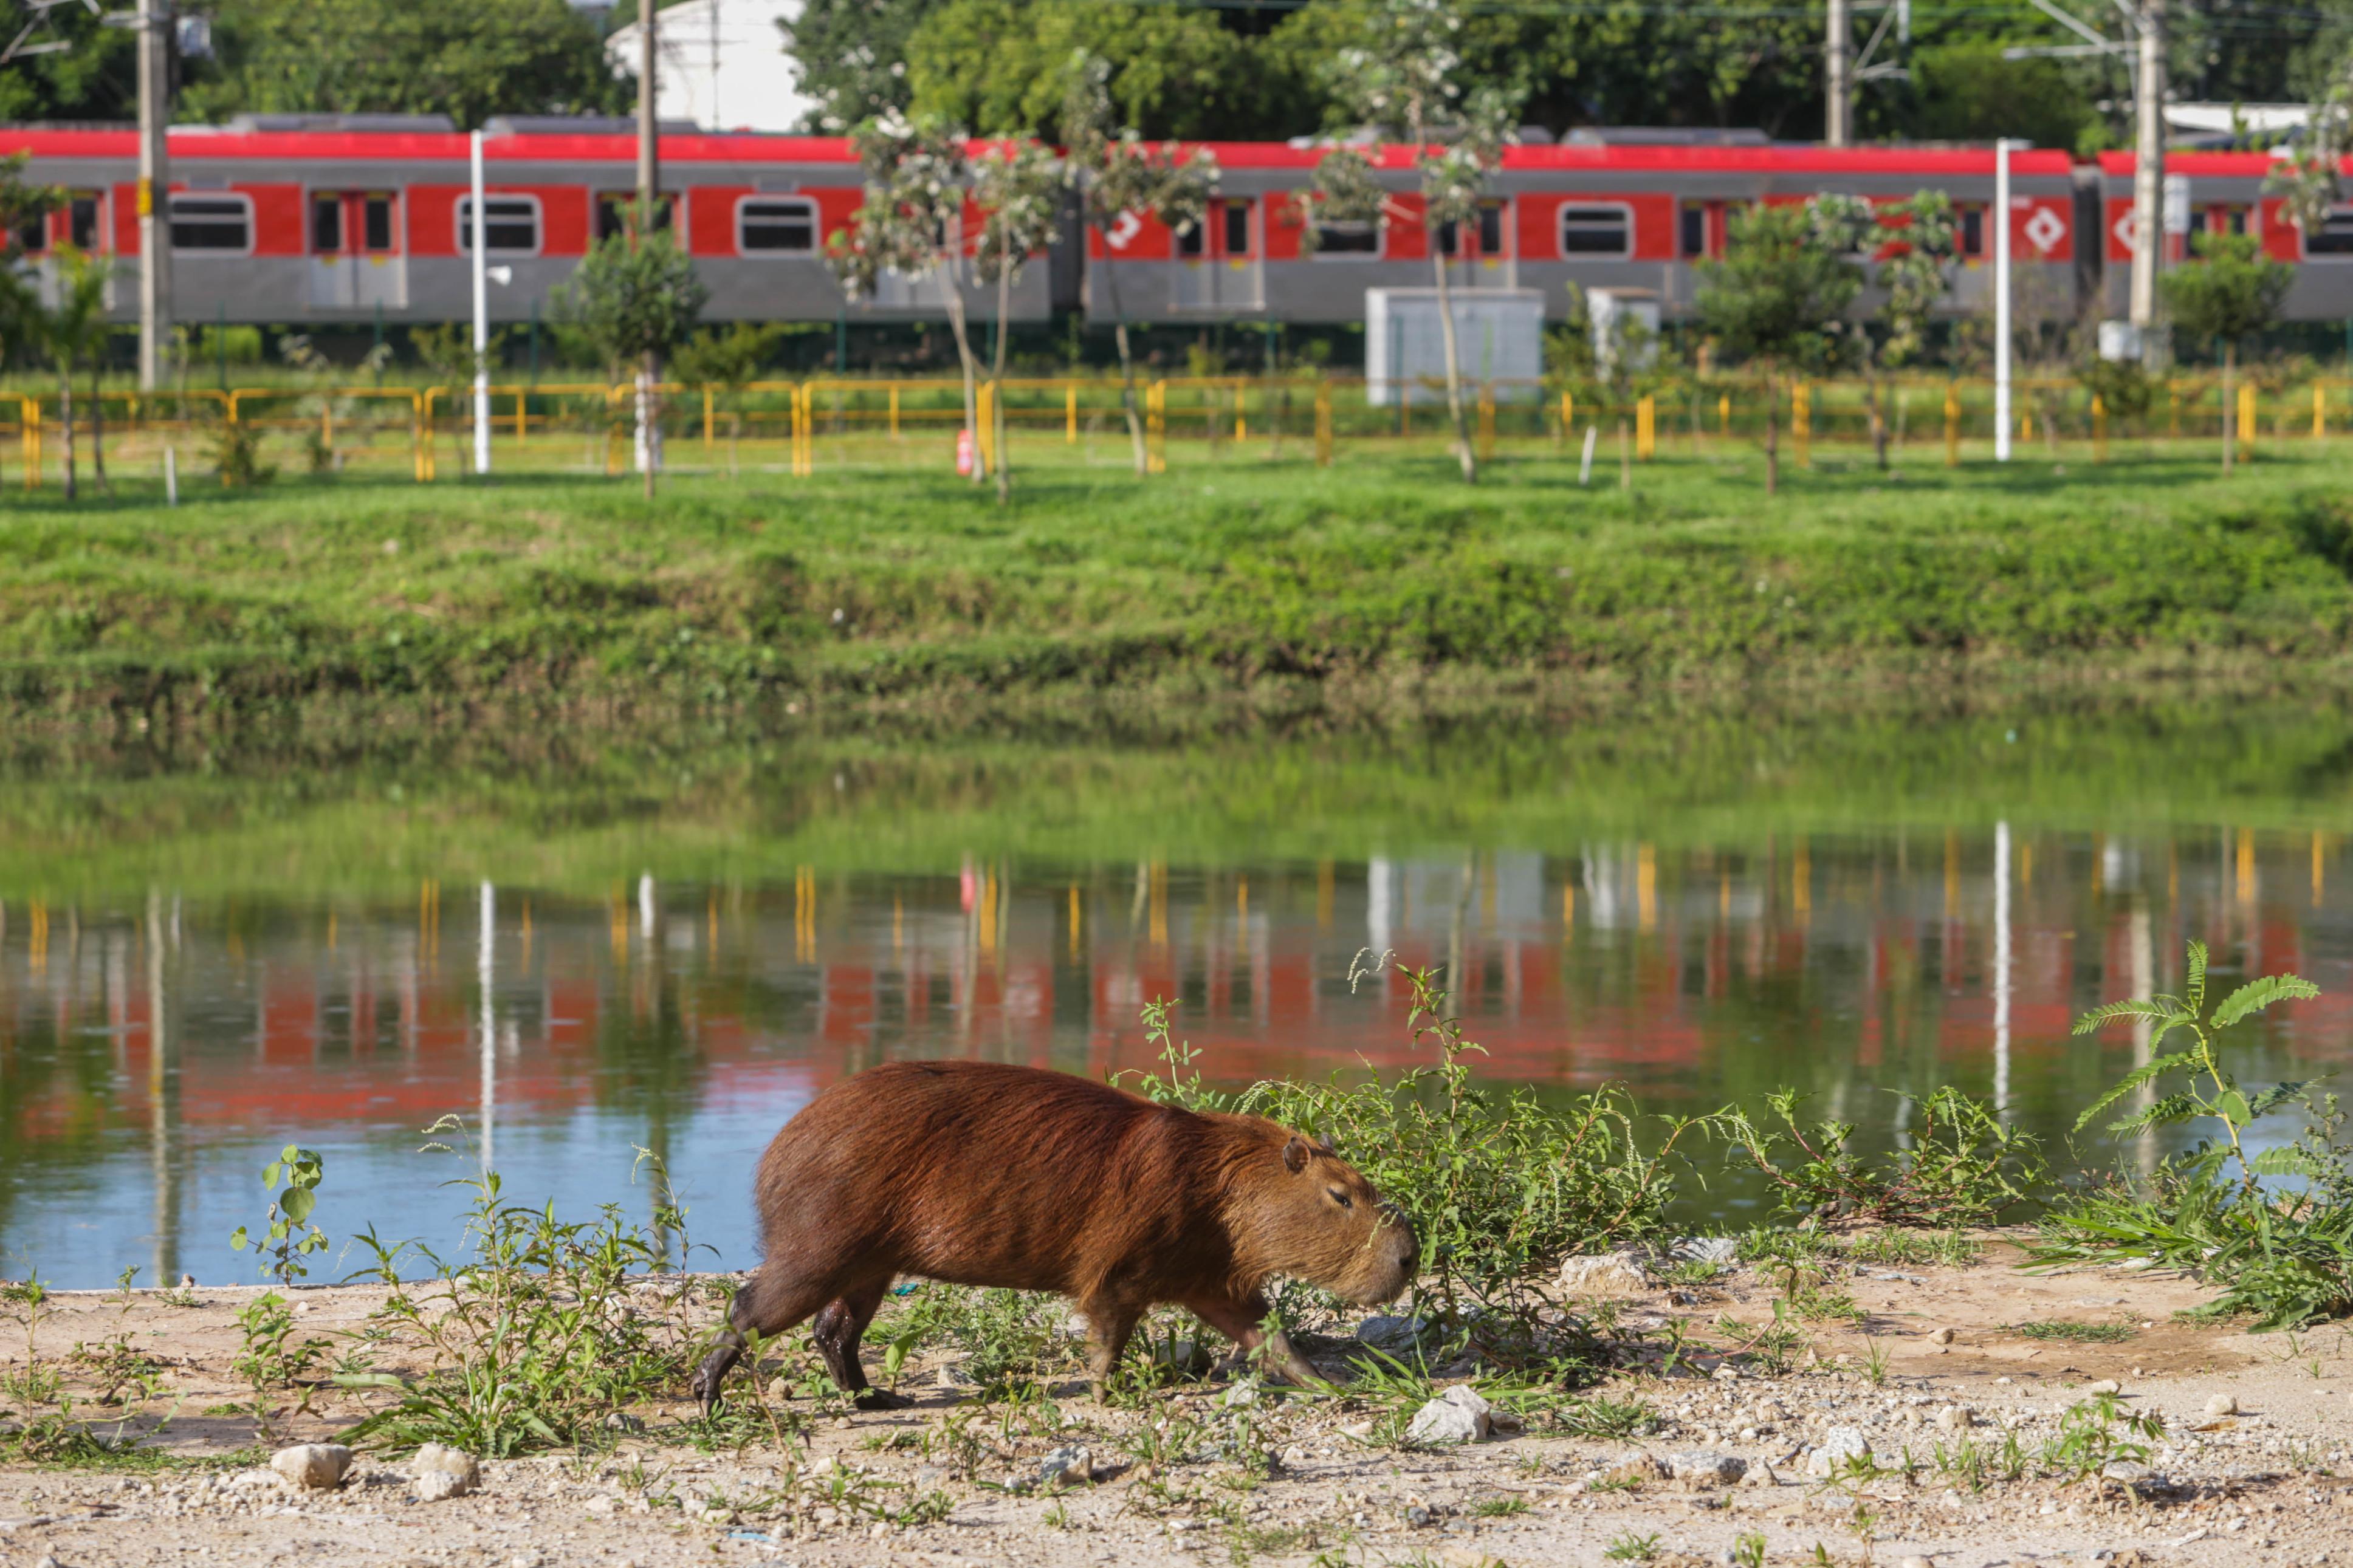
x=2076, y=1333
x=287, y=1236
x=1966, y=1165
x=1630, y=1547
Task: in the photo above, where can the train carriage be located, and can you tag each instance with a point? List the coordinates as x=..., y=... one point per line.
x=309, y=219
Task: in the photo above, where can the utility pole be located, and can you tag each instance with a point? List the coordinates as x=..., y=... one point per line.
x=649, y=442
x=154, y=186
x=2002, y=225
x=1838, y=122
x=2149, y=177
x=480, y=240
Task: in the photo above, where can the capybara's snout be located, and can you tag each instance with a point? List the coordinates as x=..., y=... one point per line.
x=1394, y=1260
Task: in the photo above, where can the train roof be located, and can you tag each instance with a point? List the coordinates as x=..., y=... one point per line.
x=242, y=143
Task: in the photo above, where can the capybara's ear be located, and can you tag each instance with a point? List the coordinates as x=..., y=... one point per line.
x=1295, y=1155
x=1324, y=1143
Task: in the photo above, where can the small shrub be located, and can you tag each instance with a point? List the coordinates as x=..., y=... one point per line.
x=290, y=1237
x=236, y=458
x=1965, y=1167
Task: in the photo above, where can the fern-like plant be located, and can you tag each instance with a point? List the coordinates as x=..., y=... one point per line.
x=2273, y=1227
x=2210, y=1089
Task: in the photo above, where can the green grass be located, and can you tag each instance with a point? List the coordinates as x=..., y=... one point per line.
x=746, y=596
x=2076, y=1333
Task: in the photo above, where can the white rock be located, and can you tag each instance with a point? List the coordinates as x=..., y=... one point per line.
x=1706, y=1468
x=1604, y=1273
x=1717, y=1251
x=439, y=1460
x=1957, y=1418
x=2222, y=1405
x=2104, y=1385
x=320, y=1465
x=1840, y=1445
x=1458, y=1415
x=1942, y=1336
x=2123, y=1470
x=1760, y=1474
x=438, y=1486
x=1916, y=1563
x=1242, y=1393
x=1067, y=1467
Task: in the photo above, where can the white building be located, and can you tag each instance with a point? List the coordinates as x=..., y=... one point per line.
x=720, y=63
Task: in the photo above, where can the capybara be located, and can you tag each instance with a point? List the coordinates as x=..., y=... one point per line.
x=976, y=1173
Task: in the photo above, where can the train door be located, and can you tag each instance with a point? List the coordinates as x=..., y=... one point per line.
x=79, y=221
x=1218, y=270
x=1480, y=253
x=356, y=259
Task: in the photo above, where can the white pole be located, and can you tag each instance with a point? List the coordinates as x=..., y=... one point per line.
x=482, y=319
x=489, y=1024
x=2002, y=300
x=2001, y=968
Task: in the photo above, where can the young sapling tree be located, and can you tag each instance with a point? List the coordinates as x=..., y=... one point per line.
x=917, y=181
x=1020, y=190
x=1121, y=181
x=2230, y=290
x=635, y=299
x=1780, y=297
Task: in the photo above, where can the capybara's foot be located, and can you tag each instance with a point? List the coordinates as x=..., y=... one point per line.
x=709, y=1376
x=879, y=1399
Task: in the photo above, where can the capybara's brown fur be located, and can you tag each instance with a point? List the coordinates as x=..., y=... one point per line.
x=975, y=1173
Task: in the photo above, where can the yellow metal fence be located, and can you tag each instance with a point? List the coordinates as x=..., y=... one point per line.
x=864, y=419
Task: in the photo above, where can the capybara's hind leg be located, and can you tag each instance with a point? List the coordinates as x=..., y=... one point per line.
x=1244, y=1322
x=838, y=1331
x=767, y=1305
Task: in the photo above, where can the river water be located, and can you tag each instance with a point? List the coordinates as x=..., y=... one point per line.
x=614, y=947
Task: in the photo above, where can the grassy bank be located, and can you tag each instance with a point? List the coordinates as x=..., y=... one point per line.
x=855, y=586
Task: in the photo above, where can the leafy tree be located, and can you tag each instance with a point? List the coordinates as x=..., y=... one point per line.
x=636, y=297
x=728, y=359
x=852, y=58
x=1020, y=189
x=2232, y=290
x=95, y=77
x=1117, y=174
x=1001, y=67
x=1967, y=92
x=1920, y=239
x=1405, y=80
x=917, y=178
x=1778, y=297
x=20, y=309
x=72, y=332
x=457, y=56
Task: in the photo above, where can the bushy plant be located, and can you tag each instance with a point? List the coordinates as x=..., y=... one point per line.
x=536, y=1337
x=2274, y=1226
x=1966, y=1166
x=1498, y=1187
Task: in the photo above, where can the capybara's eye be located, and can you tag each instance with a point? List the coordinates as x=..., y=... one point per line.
x=1340, y=1196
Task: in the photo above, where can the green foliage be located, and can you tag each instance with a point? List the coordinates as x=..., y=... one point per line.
x=1966, y=1166
x=1498, y=1187
x=2123, y=386
x=290, y=1237
x=2274, y=1227
x=1628, y=1547
x=236, y=457
x=1968, y=92
x=92, y=78
x=271, y=1356
x=1007, y=1337
x=406, y=56
x=2065, y=1332
x=2232, y=290
x=633, y=296
x=727, y=356
x=1779, y=294
x=2098, y=1432
x=536, y=1335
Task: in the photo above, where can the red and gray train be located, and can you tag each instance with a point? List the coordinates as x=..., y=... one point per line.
x=300, y=221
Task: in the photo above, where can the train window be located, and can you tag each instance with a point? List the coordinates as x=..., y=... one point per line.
x=1347, y=240
x=327, y=224
x=1691, y=222
x=1972, y=216
x=510, y=225
x=1192, y=238
x=1238, y=238
x=2334, y=237
x=81, y=220
x=1596, y=231
x=375, y=223
x=31, y=235
x=212, y=224
x=1491, y=228
x=768, y=227
x=613, y=209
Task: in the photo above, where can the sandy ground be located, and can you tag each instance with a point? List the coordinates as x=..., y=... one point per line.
x=2259, y=1485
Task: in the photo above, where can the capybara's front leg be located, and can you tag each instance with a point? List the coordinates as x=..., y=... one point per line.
x=1243, y=1322
x=766, y=1306
x=838, y=1331
x=1110, y=1324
